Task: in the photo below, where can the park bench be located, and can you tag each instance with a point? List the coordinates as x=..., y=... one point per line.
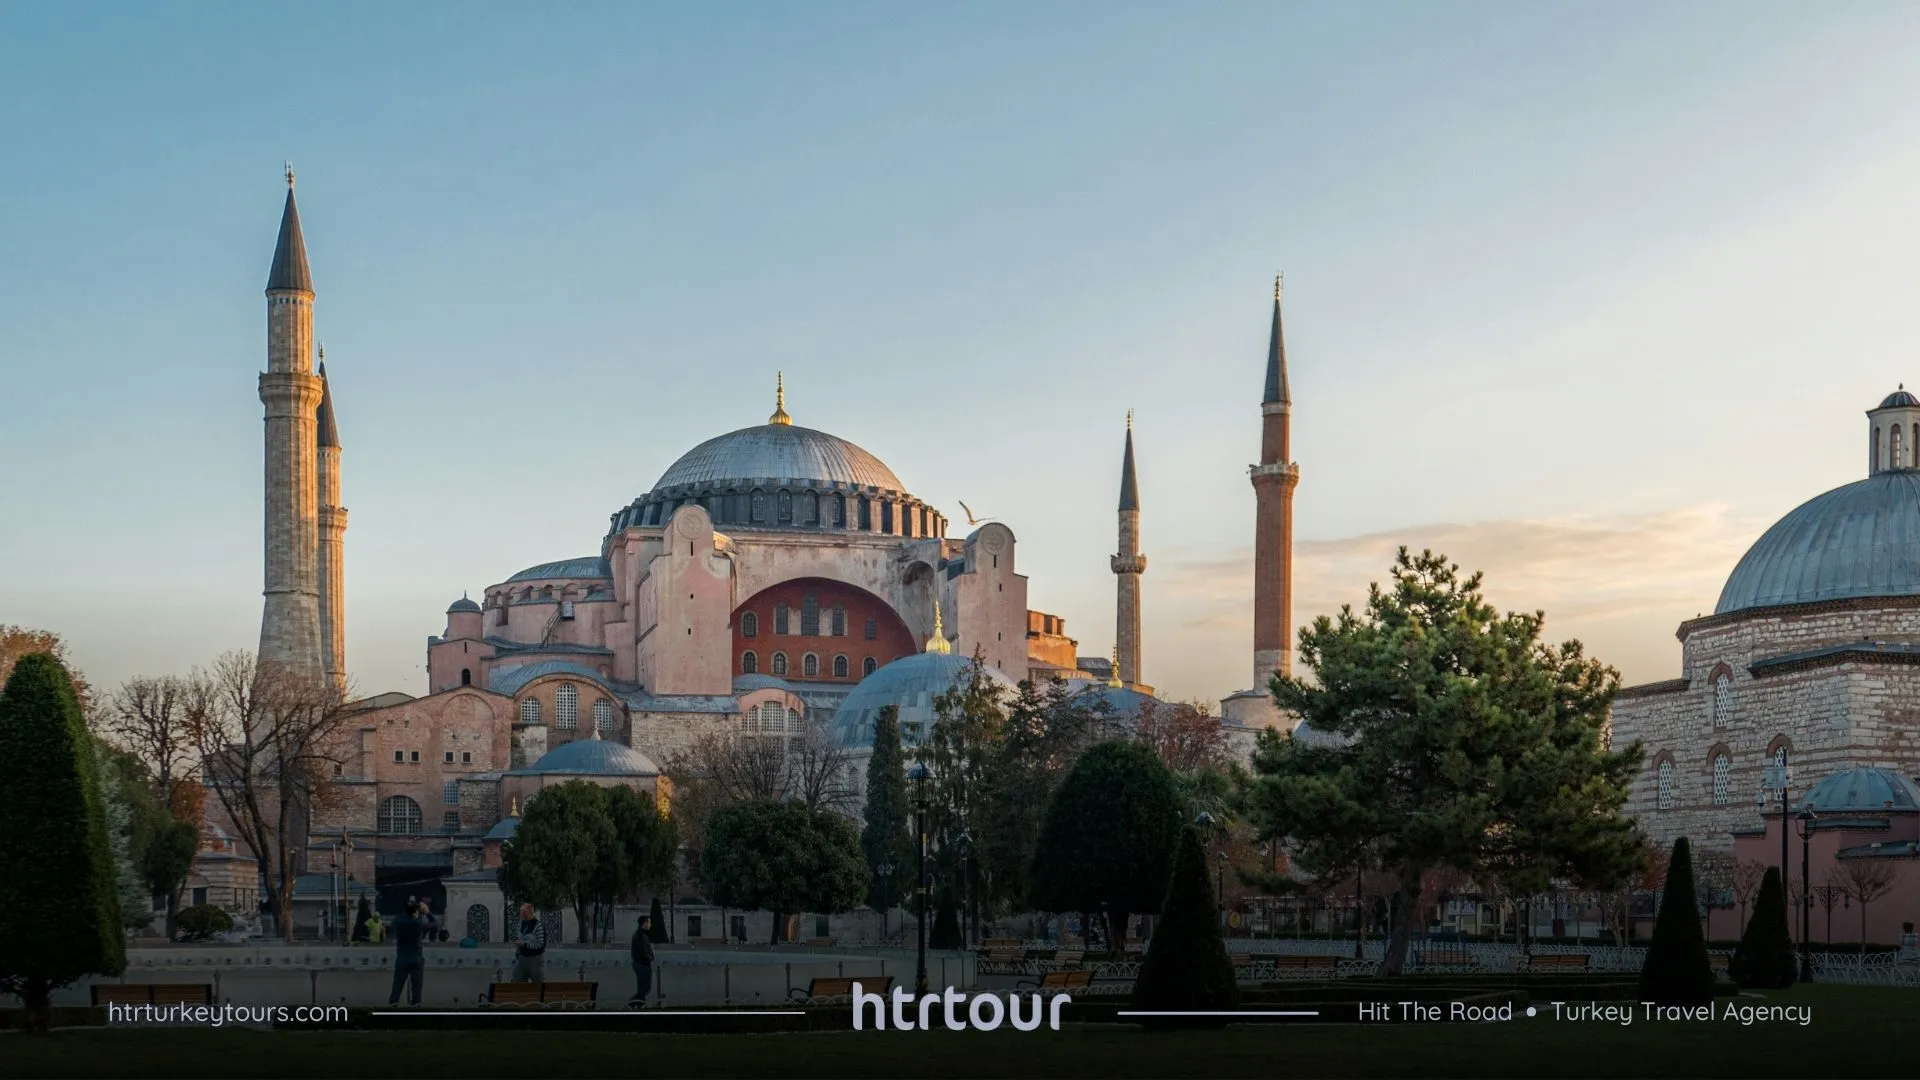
x=821, y=942
x=153, y=994
x=543, y=995
x=1059, y=982
x=1068, y=958
x=1285, y=961
x=839, y=991
x=1719, y=962
x=1001, y=943
x=1004, y=959
x=1427, y=958
x=1559, y=961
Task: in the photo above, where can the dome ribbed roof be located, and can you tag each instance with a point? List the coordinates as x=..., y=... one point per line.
x=1863, y=789
x=592, y=757
x=1860, y=540
x=911, y=683
x=1899, y=399
x=779, y=452
x=588, y=566
x=503, y=829
x=462, y=604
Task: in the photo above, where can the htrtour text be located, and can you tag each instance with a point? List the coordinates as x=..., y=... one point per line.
x=983, y=1012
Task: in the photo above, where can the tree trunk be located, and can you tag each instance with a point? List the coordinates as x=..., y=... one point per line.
x=1359, y=917
x=1117, y=933
x=773, y=936
x=173, y=908
x=36, y=993
x=1406, y=910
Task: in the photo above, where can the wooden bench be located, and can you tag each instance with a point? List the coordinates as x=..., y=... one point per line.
x=822, y=942
x=839, y=991
x=1001, y=943
x=1284, y=961
x=1059, y=982
x=1004, y=960
x=543, y=995
x=153, y=993
x=1566, y=961
x=1069, y=958
x=1445, y=958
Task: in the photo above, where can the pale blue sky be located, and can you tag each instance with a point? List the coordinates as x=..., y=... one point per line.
x=1630, y=270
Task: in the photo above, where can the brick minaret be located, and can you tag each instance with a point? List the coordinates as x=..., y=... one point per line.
x=290, y=619
x=1273, y=483
x=332, y=541
x=1128, y=565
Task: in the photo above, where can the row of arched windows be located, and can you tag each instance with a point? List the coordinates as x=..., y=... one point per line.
x=809, y=620
x=809, y=665
x=1667, y=777
x=1897, y=447
x=566, y=710
x=803, y=508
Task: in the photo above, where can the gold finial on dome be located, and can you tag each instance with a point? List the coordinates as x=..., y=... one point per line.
x=780, y=400
x=1113, y=673
x=515, y=811
x=938, y=642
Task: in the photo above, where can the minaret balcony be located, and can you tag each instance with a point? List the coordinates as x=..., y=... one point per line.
x=1287, y=469
x=1129, y=564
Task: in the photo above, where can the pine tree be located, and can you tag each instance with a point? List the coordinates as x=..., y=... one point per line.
x=1764, y=959
x=57, y=881
x=662, y=933
x=1677, y=971
x=1186, y=966
x=887, y=839
x=945, y=932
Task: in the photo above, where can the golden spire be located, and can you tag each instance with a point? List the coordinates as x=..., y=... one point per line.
x=1113, y=675
x=515, y=812
x=938, y=642
x=780, y=400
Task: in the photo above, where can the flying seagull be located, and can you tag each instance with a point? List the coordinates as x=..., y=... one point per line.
x=971, y=520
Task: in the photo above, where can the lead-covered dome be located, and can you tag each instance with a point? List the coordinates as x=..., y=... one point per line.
x=909, y=683
x=779, y=452
x=1861, y=540
x=591, y=756
x=1863, y=789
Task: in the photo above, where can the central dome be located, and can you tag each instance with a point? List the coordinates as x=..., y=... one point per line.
x=1861, y=540
x=779, y=452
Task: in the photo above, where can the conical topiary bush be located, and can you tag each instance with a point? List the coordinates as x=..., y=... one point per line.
x=945, y=932
x=1764, y=959
x=1677, y=971
x=1186, y=967
x=661, y=933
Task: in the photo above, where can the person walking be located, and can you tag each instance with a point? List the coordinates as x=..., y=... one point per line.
x=642, y=962
x=528, y=956
x=409, y=962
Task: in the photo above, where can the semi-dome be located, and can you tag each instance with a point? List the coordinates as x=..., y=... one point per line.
x=1861, y=540
x=1863, y=789
x=592, y=756
x=910, y=683
x=779, y=452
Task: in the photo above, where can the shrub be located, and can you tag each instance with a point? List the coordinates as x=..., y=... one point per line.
x=202, y=921
x=1677, y=971
x=1764, y=960
x=1186, y=966
x=661, y=933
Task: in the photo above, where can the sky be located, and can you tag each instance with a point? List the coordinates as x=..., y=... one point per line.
x=1582, y=295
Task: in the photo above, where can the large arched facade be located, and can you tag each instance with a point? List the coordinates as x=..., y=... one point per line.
x=816, y=630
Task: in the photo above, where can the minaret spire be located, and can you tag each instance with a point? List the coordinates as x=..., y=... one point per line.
x=1128, y=564
x=331, y=550
x=290, y=618
x=289, y=270
x=1277, y=353
x=780, y=400
x=1274, y=479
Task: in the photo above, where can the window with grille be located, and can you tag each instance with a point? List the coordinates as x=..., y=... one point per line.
x=450, y=821
x=839, y=620
x=603, y=714
x=566, y=707
x=867, y=666
x=1666, y=785
x=810, y=665
x=749, y=625
x=840, y=667
x=810, y=616
x=872, y=630
x=786, y=508
x=450, y=793
x=780, y=620
x=399, y=815
x=779, y=663
x=1722, y=704
x=1722, y=778
x=749, y=663
x=759, y=509
x=530, y=710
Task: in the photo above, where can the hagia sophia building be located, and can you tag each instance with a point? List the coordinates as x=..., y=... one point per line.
x=774, y=576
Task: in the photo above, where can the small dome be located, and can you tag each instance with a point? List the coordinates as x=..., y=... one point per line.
x=590, y=566
x=1863, y=790
x=1123, y=701
x=504, y=830
x=746, y=684
x=1900, y=399
x=1311, y=736
x=779, y=452
x=1859, y=540
x=463, y=605
x=592, y=756
x=911, y=683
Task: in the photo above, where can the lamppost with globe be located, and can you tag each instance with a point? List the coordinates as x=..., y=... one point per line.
x=1807, y=819
x=920, y=774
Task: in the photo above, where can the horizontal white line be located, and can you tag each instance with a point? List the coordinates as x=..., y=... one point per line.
x=1235, y=1012
x=595, y=1012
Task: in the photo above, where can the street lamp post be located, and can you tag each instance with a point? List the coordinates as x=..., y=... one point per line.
x=1807, y=819
x=965, y=846
x=886, y=873
x=919, y=774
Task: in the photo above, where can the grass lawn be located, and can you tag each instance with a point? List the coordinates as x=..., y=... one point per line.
x=1856, y=1032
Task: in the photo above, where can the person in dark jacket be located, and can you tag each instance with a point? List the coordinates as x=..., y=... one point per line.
x=642, y=962
x=409, y=962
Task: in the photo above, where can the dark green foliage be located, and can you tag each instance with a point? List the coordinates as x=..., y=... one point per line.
x=661, y=933
x=160, y=848
x=201, y=921
x=58, y=885
x=360, y=917
x=1463, y=741
x=1677, y=971
x=554, y=857
x=887, y=839
x=1108, y=840
x=1186, y=966
x=783, y=858
x=1764, y=959
x=945, y=932
x=1047, y=729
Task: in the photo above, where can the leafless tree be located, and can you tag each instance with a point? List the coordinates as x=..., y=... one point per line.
x=821, y=772
x=268, y=741
x=1868, y=880
x=1747, y=876
x=148, y=716
x=1185, y=736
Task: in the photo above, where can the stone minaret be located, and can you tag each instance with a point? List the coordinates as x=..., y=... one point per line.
x=1128, y=565
x=332, y=545
x=1273, y=483
x=290, y=619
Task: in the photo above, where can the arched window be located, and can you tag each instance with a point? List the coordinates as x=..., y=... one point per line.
x=779, y=663
x=566, y=707
x=603, y=714
x=1666, y=784
x=838, y=508
x=759, y=508
x=867, y=666
x=1722, y=778
x=479, y=923
x=1896, y=449
x=749, y=625
x=810, y=665
x=466, y=676
x=1722, y=704
x=809, y=508
x=866, y=514
x=529, y=710
x=781, y=619
x=786, y=508
x=1780, y=755
x=839, y=624
x=810, y=616
x=749, y=663
x=840, y=666
x=399, y=815
x=1876, y=449
x=873, y=629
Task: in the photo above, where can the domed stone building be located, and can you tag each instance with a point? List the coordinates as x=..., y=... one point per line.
x=1810, y=660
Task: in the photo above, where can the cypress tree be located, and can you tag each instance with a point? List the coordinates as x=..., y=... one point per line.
x=58, y=887
x=886, y=839
x=945, y=932
x=1186, y=966
x=1677, y=971
x=660, y=934
x=1764, y=959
